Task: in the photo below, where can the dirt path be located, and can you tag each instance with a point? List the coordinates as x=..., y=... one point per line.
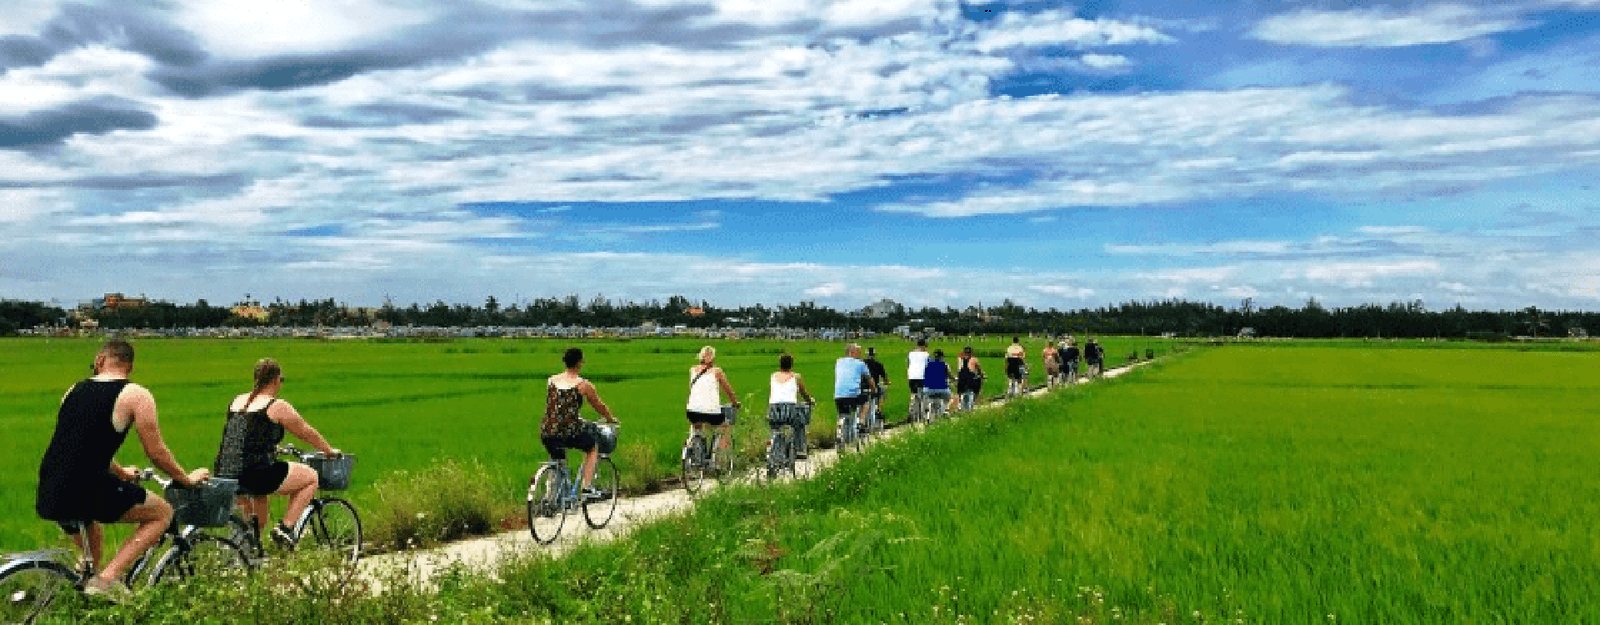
x=632, y=512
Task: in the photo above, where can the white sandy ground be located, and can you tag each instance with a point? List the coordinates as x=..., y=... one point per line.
x=482, y=554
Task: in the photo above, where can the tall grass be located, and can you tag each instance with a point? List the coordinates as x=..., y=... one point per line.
x=403, y=406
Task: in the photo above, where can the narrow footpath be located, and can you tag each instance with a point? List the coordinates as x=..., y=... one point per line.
x=632, y=512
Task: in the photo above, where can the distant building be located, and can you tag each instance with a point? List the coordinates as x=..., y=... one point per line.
x=250, y=311
x=695, y=312
x=883, y=308
x=118, y=301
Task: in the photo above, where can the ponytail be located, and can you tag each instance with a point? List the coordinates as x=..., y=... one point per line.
x=267, y=370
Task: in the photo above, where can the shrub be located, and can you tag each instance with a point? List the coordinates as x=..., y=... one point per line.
x=449, y=500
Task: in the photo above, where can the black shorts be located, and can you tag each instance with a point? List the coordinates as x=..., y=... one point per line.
x=705, y=417
x=557, y=446
x=916, y=386
x=1014, y=368
x=104, y=500
x=263, y=480
x=847, y=405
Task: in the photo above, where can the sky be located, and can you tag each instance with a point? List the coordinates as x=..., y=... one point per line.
x=1060, y=155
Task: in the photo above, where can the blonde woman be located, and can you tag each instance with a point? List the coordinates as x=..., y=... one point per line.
x=705, y=380
x=256, y=424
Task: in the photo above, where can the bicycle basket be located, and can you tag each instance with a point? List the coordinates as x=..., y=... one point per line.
x=332, y=473
x=207, y=505
x=605, y=438
x=730, y=413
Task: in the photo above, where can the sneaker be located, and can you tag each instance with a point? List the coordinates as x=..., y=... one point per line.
x=283, y=537
x=113, y=591
x=594, y=494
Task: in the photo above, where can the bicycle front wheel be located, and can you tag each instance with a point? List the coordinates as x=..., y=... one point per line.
x=201, y=556
x=546, y=514
x=695, y=463
x=597, y=511
x=33, y=589
x=331, y=525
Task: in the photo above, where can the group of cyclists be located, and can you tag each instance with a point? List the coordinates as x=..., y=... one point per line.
x=81, y=485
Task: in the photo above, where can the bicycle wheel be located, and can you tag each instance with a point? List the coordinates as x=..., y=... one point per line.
x=776, y=445
x=243, y=534
x=330, y=525
x=695, y=463
x=723, y=452
x=200, y=556
x=33, y=589
x=546, y=514
x=607, y=480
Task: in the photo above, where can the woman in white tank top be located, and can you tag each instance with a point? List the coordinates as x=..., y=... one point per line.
x=705, y=379
x=783, y=403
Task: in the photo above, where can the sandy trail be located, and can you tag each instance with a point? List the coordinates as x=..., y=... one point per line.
x=483, y=553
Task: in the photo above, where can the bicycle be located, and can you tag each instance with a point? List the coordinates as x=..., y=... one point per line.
x=783, y=449
x=871, y=421
x=36, y=583
x=554, y=493
x=332, y=522
x=702, y=459
x=847, y=434
x=934, y=408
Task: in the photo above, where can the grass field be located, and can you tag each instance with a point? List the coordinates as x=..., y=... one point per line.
x=402, y=407
x=1337, y=482
x=1270, y=485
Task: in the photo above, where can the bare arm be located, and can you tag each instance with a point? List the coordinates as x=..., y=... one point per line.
x=727, y=389
x=593, y=396
x=285, y=415
x=147, y=425
x=803, y=392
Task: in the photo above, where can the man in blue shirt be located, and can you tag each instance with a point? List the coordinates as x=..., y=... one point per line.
x=850, y=377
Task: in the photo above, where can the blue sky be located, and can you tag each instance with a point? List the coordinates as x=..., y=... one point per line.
x=1056, y=154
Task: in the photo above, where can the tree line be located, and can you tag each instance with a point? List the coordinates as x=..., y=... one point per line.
x=1177, y=317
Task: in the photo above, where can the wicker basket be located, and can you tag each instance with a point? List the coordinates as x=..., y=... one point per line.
x=332, y=473
x=730, y=414
x=605, y=438
x=207, y=505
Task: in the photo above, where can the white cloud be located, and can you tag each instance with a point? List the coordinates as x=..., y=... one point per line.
x=829, y=289
x=252, y=28
x=1387, y=28
x=1060, y=28
x=1364, y=274
x=1106, y=61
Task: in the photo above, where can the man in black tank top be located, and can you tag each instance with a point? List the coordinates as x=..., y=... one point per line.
x=80, y=482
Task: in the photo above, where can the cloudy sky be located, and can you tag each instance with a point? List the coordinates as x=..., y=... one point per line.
x=1058, y=154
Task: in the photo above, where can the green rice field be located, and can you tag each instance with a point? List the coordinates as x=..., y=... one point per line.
x=1302, y=484
x=404, y=406
x=1321, y=482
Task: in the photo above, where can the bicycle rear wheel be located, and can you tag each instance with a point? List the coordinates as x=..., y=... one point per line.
x=608, y=480
x=331, y=525
x=201, y=556
x=546, y=514
x=723, y=451
x=33, y=589
x=243, y=533
x=696, y=461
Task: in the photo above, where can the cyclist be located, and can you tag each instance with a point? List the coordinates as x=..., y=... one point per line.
x=705, y=378
x=563, y=427
x=1015, y=355
x=1069, y=360
x=879, y=376
x=783, y=403
x=80, y=482
x=255, y=425
x=936, y=378
x=851, y=383
x=917, y=366
x=969, y=379
x=1052, y=365
x=1094, y=358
